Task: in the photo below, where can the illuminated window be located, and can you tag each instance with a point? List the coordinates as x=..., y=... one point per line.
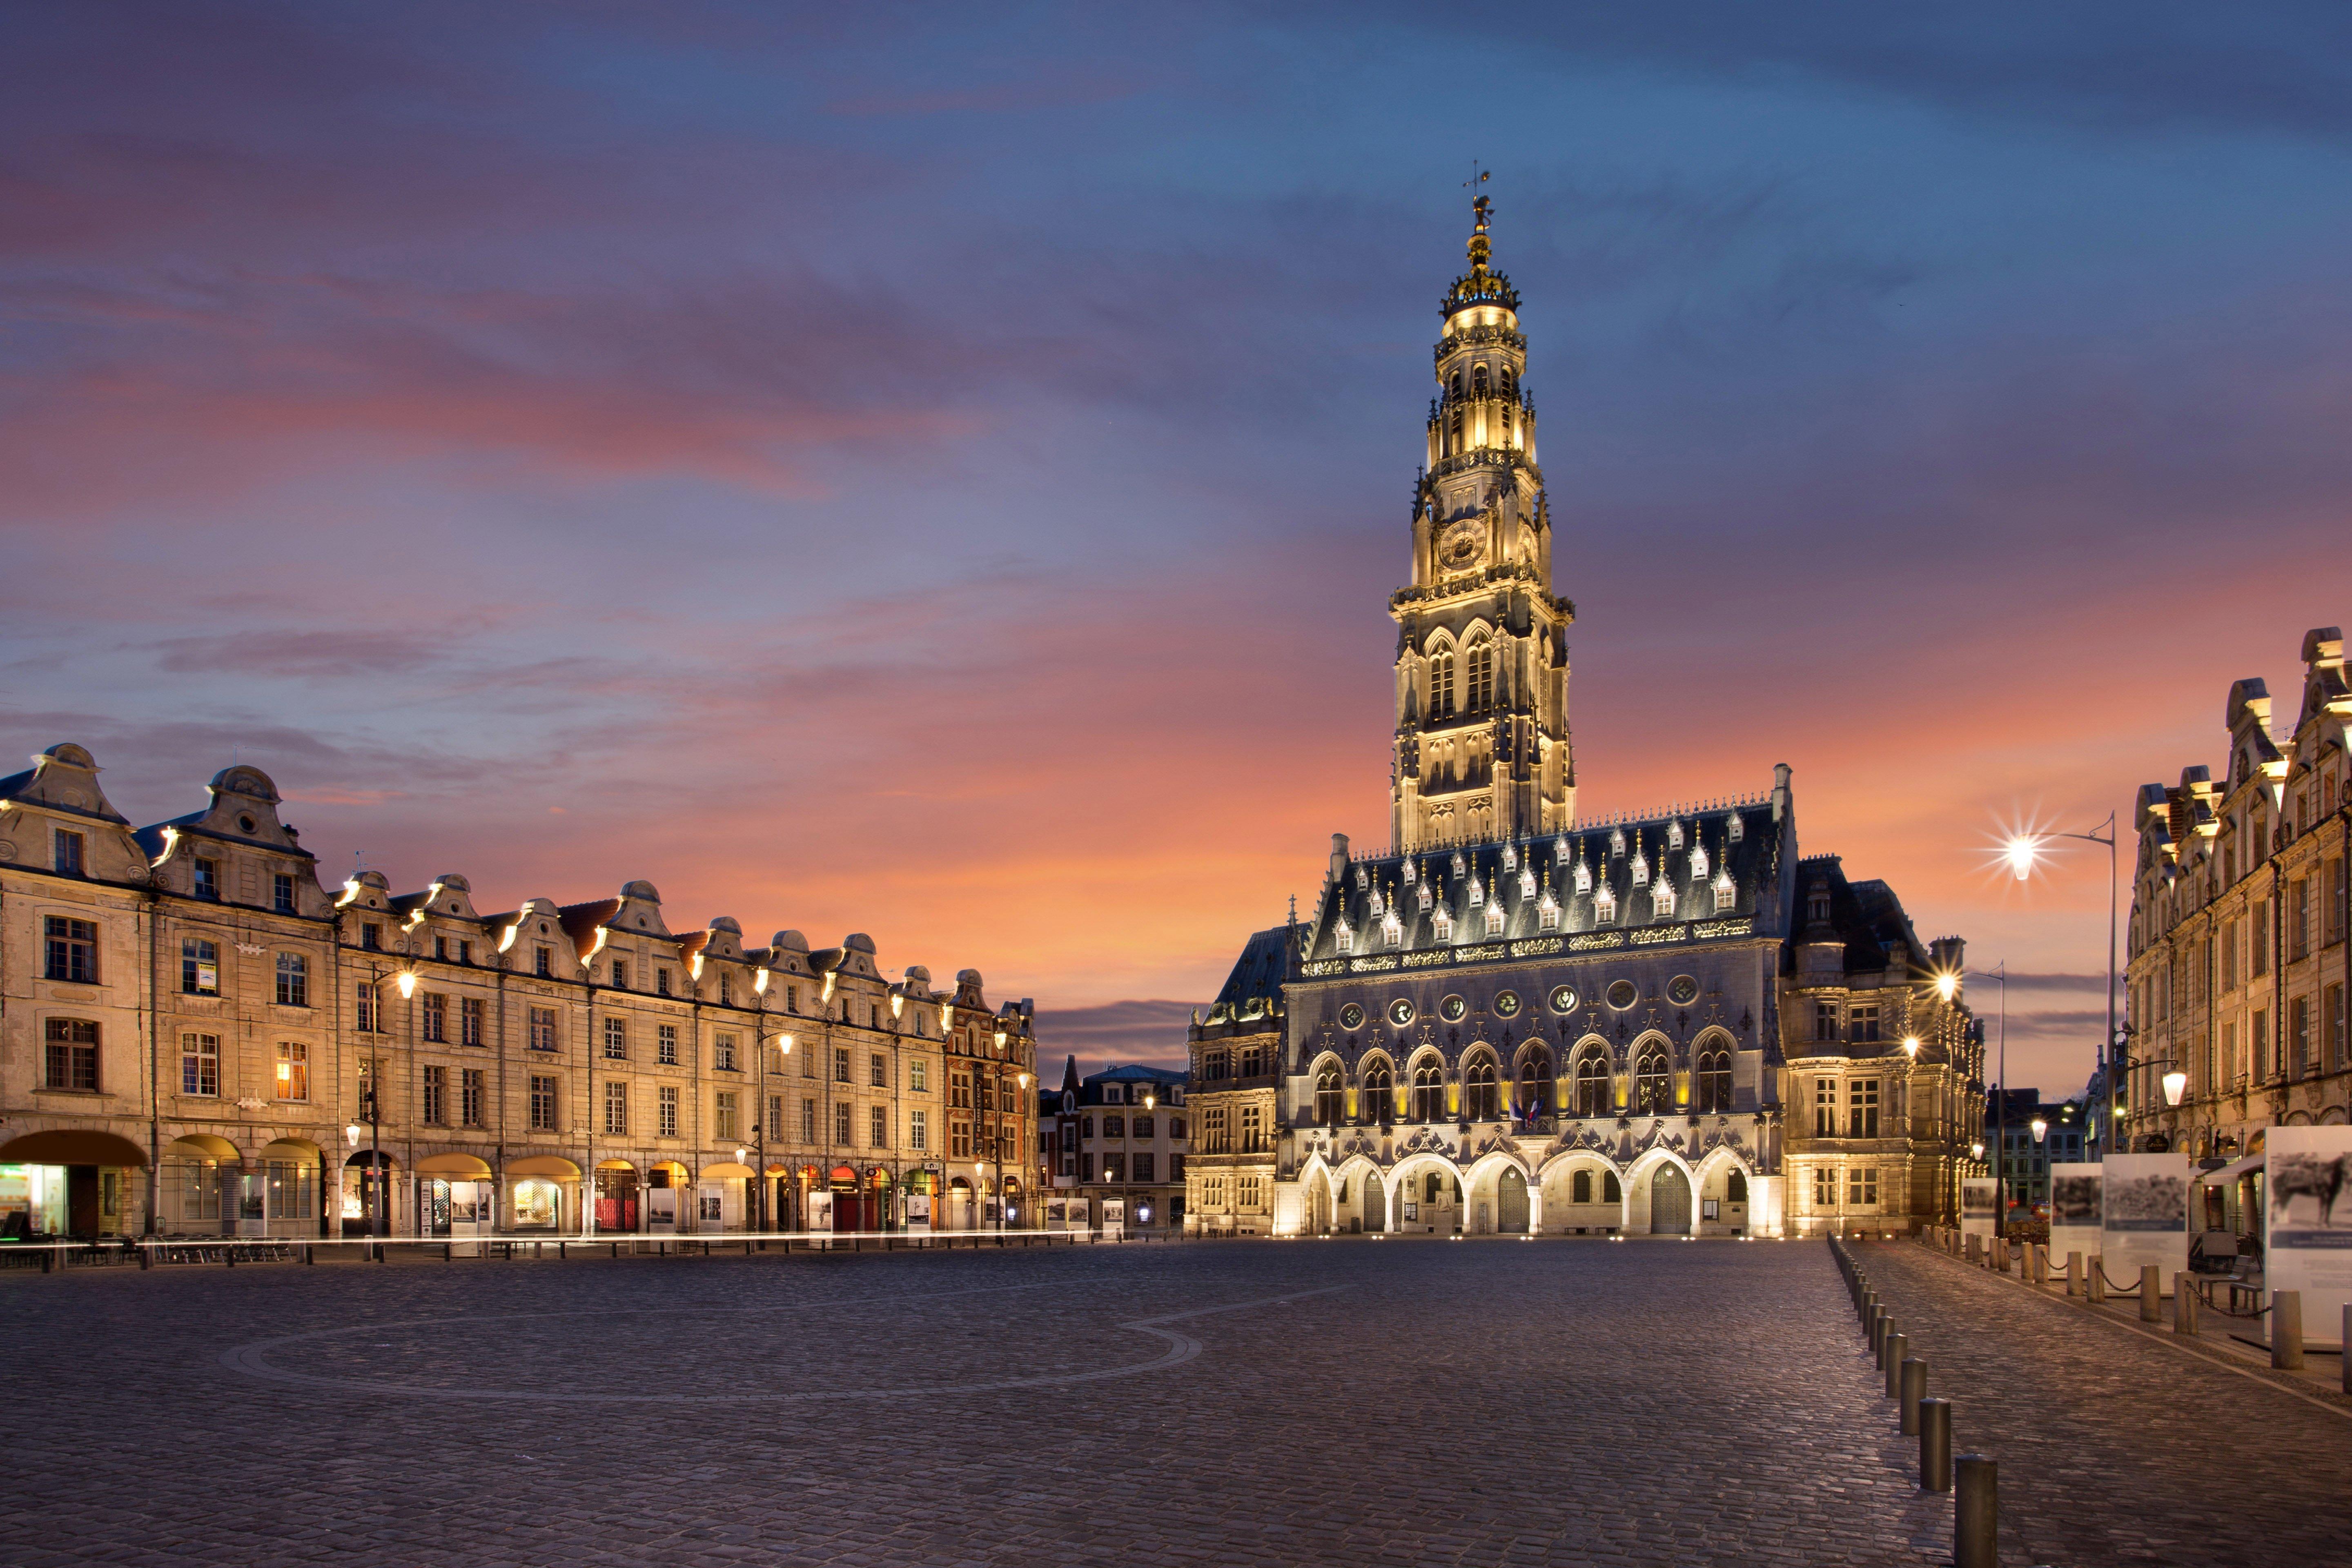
x=199, y=1064
x=1653, y=1084
x=1480, y=1097
x=1592, y=1094
x=1825, y=1107
x=1329, y=1098
x=294, y=1070
x=1377, y=1098
x=1428, y=1094
x=1440, y=684
x=1713, y=1085
x=1861, y=1107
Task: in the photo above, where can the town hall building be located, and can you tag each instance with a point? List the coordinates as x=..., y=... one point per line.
x=1516, y=1020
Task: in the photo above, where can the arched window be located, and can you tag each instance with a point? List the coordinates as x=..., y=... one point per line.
x=1377, y=1098
x=1712, y=1093
x=1428, y=1094
x=1479, y=1095
x=1653, y=1084
x=1478, y=381
x=1611, y=1192
x=1328, y=1099
x=1735, y=1187
x=1592, y=1085
x=1440, y=684
x=1580, y=1189
x=1508, y=379
x=1478, y=678
x=1535, y=1085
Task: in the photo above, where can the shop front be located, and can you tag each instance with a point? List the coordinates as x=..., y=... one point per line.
x=457, y=1198
x=616, y=1197
x=279, y=1194
x=198, y=1185
x=367, y=1195
x=69, y=1182
x=540, y=1189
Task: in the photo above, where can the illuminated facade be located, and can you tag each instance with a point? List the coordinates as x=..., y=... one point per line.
x=2239, y=969
x=196, y=1029
x=1516, y=1022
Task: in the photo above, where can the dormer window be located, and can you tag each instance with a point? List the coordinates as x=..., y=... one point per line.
x=1584, y=878
x=620, y=975
x=65, y=850
x=1407, y=873
x=207, y=879
x=1392, y=930
x=372, y=936
x=543, y=962
x=1662, y=901
x=1641, y=869
x=1510, y=857
x=1458, y=868
x=1426, y=897
x=1725, y=893
x=1493, y=920
x=1605, y=907
x=1674, y=833
x=1477, y=892
x=1443, y=924
x=1548, y=912
x=281, y=897
x=1735, y=831
x=1616, y=842
x=1817, y=906
x=1698, y=864
x=1527, y=883
x=1347, y=936
x=661, y=982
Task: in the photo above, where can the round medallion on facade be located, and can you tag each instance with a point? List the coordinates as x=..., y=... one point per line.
x=1623, y=994
x=1682, y=990
x=1351, y=1017
x=1507, y=1003
x=1400, y=1012
x=1563, y=998
x=245, y=825
x=1451, y=1009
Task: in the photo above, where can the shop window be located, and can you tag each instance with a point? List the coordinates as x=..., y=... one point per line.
x=71, y=950
x=199, y=968
x=293, y=1070
x=538, y=1204
x=199, y=1064
x=72, y=1055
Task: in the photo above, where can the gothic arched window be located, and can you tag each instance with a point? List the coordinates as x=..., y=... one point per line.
x=1428, y=1094
x=1479, y=1095
x=1592, y=1085
x=1377, y=1097
x=1326, y=1098
x=1713, y=1090
x=1535, y=1084
x=1478, y=381
x=1653, y=1084
x=1478, y=674
x=1580, y=1188
x=1440, y=684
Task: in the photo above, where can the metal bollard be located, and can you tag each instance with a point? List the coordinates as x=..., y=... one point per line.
x=1976, y=1514
x=2184, y=1305
x=1934, y=1445
x=2347, y=1347
x=2286, y=1331
x=2074, y=1274
x=1914, y=1375
x=1876, y=1332
x=1897, y=1346
x=2094, y=1279
x=2151, y=1293
x=2041, y=1263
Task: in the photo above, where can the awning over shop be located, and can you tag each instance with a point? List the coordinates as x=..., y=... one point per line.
x=71, y=1146
x=2231, y=1171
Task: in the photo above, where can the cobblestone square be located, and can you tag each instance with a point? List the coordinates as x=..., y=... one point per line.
x=1346, y=1402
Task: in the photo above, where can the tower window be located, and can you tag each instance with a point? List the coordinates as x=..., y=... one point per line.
x=1440, y=685
x=1479, y=677
x=1478, y=381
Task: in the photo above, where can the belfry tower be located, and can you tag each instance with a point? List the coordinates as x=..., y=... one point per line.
x=1481, y=742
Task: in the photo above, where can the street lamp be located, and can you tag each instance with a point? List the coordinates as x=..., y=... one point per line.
x=2176, y=1085
x=2040, y=1132
x=2022, y=852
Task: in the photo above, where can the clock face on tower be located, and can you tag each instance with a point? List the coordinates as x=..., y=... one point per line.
x=1462, y=544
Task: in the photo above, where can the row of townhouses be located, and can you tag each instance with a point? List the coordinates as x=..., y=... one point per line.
x=199, y=1038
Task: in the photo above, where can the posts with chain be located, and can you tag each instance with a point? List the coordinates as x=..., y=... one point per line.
x=2074, y=1274
x=2151, y=1293
x=2184, y=1305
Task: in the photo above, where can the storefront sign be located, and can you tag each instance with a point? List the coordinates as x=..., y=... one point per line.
x=2144, y=1216
x=2307, y=1223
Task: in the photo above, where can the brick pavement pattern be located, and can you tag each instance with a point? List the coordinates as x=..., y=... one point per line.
x=2115, y=1449
x=1482, y=1403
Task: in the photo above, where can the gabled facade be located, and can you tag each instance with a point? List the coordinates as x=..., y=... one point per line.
x=2239, y=967
x=197, y=1037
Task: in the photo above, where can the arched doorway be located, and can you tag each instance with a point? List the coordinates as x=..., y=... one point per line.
x=1670, y=1202
x=1511, y=1203
x=617, y=1197
x=1376, y=1202
x=848, y=1210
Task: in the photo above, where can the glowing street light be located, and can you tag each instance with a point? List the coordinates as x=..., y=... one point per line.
x=1947, y=985
x=2176, y=1084
x=1911, y=1047
x=2022, y=851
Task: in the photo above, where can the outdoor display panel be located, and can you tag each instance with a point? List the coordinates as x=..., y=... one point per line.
x=2074, y=1211
x=2307, y=1225
x=2144, y=1216
x=1114, y=1224
x=1979, y=1194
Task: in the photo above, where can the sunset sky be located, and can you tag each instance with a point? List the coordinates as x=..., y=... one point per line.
x=939, y=471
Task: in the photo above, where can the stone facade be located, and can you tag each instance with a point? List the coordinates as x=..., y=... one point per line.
x=1123, y=1134
x=1516, y=1021
x=2239, y=967
x=201, y=1038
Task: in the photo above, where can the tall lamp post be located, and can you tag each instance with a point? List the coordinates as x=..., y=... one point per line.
x=376, y=1191
x=2024, y=851
x=2041, y=1135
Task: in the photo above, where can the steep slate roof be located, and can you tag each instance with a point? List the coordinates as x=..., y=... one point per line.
x=1518, y=874
x=1264, y=964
